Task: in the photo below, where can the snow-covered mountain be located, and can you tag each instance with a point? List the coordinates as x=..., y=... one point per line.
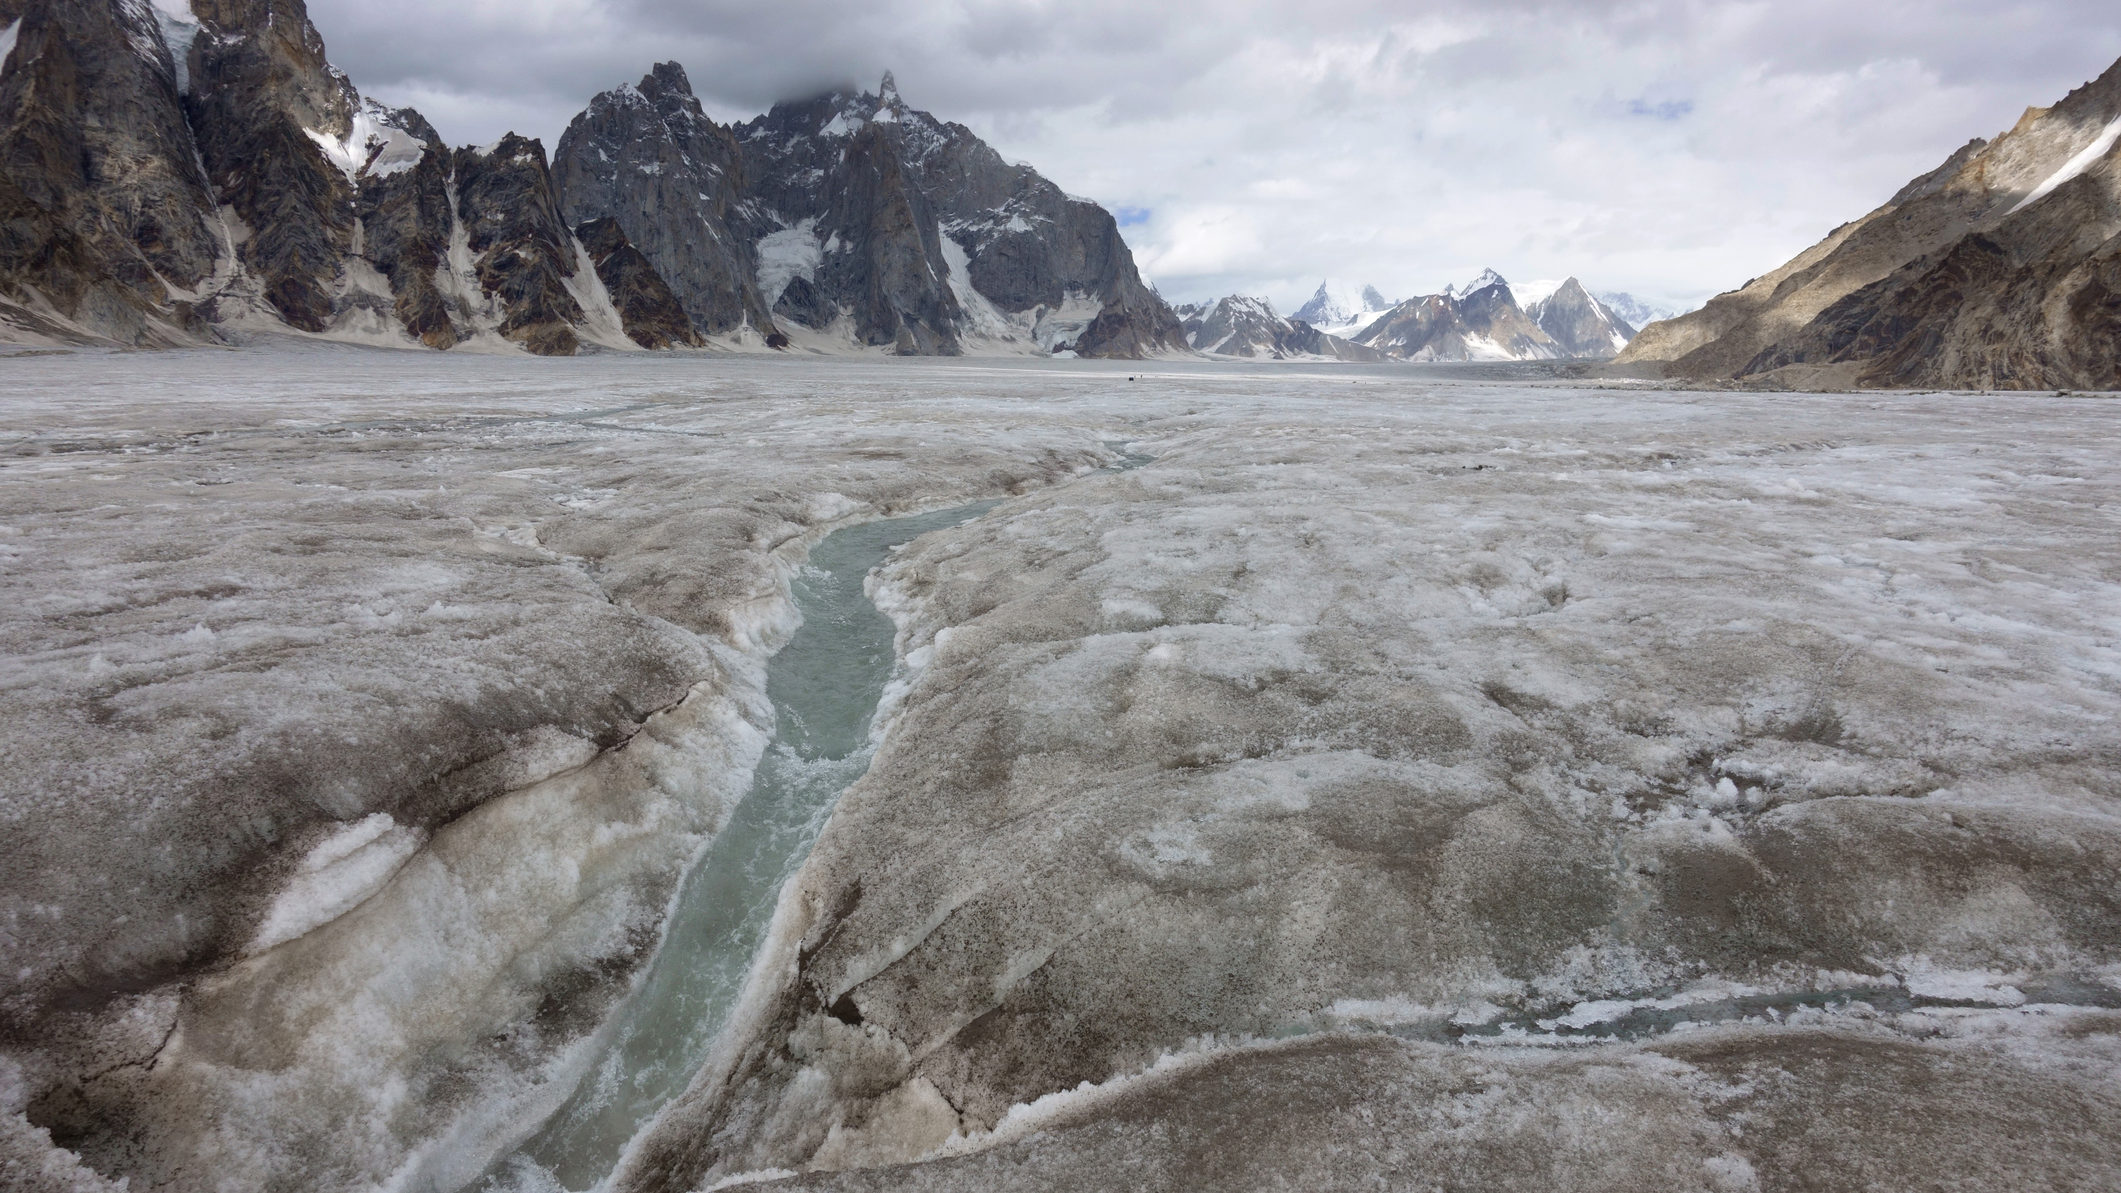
x=1341, y=309
x=1638, y=312
x=1583, y=327
x=1250, y=327
x=1490, y=319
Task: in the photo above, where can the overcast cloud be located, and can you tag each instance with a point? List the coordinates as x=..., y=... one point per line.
x=1668, y=148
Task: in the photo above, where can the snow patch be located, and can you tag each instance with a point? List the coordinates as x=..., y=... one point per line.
x=338, y=876
x=7, y=44
x=2099, y=148
x=982, y=318
x=374, y=147
x=1531, y=294
x=601, y=323
x=1965, y=985
x=179, y=27
x=786, y=255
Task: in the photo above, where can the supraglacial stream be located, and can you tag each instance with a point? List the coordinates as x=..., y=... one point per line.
x=825, y=685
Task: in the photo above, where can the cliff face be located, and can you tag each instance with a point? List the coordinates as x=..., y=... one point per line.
x=855, y=218
x=649, y=158
x=523, y=251
x=107, y=225
x=262, y=100
x=1996, y=270
x=177, y=175
x=653, y=316
x=407, y=219
x=174, y=178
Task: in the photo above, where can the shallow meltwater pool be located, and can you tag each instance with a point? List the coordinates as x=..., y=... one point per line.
x=825, y=685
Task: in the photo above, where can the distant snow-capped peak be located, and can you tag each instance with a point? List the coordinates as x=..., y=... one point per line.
x=1339, y=304
x=1486, y=279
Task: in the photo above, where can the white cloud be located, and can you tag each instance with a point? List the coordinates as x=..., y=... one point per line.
x=1669, y=147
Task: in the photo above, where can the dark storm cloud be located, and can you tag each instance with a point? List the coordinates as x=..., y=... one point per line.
x=1663, y=146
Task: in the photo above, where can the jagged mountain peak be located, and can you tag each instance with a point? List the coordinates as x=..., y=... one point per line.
x=1580, y=324
x=1340, y=306
x=666, y=78
x=1250, y=328
x=1488, y=278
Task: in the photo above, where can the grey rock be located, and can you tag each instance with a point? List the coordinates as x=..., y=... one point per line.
x=653, y=316
x=101, y=196
x=1583, y=327
x=883, y=184
x=650, y=158
x=524, y=251
x=407, y=220
x=260, y=85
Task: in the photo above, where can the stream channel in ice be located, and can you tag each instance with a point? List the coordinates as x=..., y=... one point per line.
x=825, y=685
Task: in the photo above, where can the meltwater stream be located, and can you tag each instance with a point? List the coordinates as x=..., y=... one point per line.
x=824, y=685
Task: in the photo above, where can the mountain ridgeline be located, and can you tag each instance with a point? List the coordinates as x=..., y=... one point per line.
x=1480, y=321
x=185, y=174
x=2000, y=269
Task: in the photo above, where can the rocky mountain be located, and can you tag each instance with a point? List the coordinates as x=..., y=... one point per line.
x=1251, y=328
x=650, y=160
x=89, y=93
x=1582, y=326
x=2000, y=269
x=1342, y=309
x=180, y=173
x=1479, y=321
x=852, y=218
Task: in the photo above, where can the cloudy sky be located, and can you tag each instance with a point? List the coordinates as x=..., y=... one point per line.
x=1669, y=148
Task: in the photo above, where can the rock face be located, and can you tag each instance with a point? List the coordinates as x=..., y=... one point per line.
x=264, y=104
x=653, y=316
x=1583, y=327
x=174, y=170
x=525, y=253
x=1250, y=327
x=408, y=220
x=924, y=237
x=650, y=159
x=855, y=216
x=105, y=215
x=1996, y=270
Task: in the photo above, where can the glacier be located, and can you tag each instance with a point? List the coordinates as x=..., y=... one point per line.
x=1399, y=773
